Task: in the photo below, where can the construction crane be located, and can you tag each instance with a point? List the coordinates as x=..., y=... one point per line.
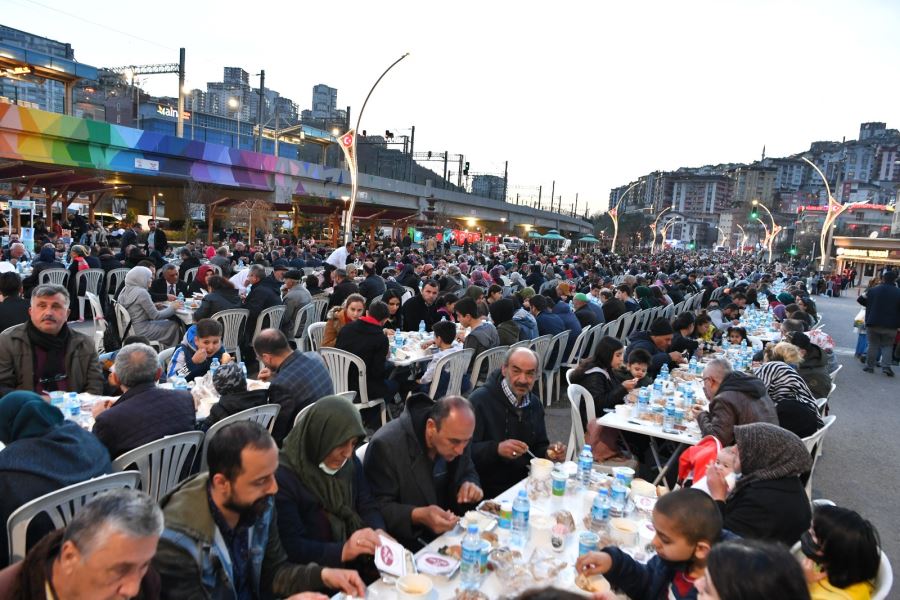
x=160, y=69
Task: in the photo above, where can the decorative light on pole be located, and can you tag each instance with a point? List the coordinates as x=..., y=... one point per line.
x=768, y=235
x=744, y=237
x=653, y=228
x=614, y=216
x=348, y=144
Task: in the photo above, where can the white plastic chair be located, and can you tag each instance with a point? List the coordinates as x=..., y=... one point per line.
x=94, y=328
x=161, y=463
x=814, y=445
x=456, y=364
x=55, y=276
x=190, y=274
x=93, y=279
x=361, y=452
x=272, y=316
x=521, y=344
x=834, y=373
x=582, y=341
x=165, y=358
x=123, y=320
x=822, y=405
x=883, y=581
x=578, y=394
x=269, y=270
x=60, y=506
x=315, y=332
x=217, y=270
x=494, y=358
x=321, y=305
x=113, y=279
x=264, y=415
x=338, y=363
x=233, y=321
x=302, y=320
x=551, y=370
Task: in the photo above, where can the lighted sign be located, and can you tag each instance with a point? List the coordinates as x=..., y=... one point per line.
x=168, y=111
x=860, y=253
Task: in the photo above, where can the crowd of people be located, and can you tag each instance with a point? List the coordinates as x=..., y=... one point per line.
x=296, y=511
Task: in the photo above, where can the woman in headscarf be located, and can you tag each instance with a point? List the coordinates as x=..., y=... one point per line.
x=496, y=274
x=231, y=385
x=479, y=279
x=794, y=402
x=784, y=298
x=146, y=318
x=326, y=512
x=645, y=297
x=769, y=501
x=199, y=282
x=46, y=260
x=43, y=453
x=516, y=281
x=409, y=278
x=476, y=293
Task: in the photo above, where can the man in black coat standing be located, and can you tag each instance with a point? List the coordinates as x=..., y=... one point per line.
x=130, y=238
x=156, y=239
x=509, y=423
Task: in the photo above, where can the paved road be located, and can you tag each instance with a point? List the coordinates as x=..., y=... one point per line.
x=859, y=468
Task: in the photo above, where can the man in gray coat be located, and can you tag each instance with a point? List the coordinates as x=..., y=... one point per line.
x=420, y=468
x=296, y=297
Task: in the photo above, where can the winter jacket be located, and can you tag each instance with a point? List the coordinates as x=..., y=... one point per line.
x=367, y=341
x=235, y=402
x=613, y=309
x=415, y=310
x=496, y=420
x=216, y=301
x=372, y=287
x=509, y=333
x=565, y=312
x=484, y=337
x=260, y=298
x=194, y=562
x=604, y=389
x=83, y=372
x=658, y=358
x=775, y=510
x=882, y=304
x=586, y=316
x=300, y=380
x=528, y=329
x=741, y=399
x=814, y=371
x=183, y=364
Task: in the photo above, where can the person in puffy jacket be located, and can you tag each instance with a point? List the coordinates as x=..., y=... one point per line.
x=201, y=344
x=658, y=342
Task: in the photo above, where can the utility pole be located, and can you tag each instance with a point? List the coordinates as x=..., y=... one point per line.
x=552, y=193
x=412, y=144
x=179, y=124
x=540, y=187
x=445, y=168
x=575, y=210
x=259, y=108
x=505, y=179
x=459, y=172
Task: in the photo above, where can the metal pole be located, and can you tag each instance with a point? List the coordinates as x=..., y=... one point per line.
x=276, y=132
x=575, y=210
x=445, y=169
x=259, y=108
x=505, y=179
x=459, y=172
x=540, y=187
x=179, y=124
x=412, y=145
x=552, y=192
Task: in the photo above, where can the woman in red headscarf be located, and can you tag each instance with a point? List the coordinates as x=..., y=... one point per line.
x=199, y=282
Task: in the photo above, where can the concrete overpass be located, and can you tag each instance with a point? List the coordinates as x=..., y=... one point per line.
x=141, y=159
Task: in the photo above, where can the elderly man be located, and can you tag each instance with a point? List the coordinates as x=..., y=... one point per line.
x=658, y=342
x=587, y=313
x=222, y=261
x=167, y=287
x=420, y=469
x=297, y=379
x=43, y=354
x=104, y=552
x=144, y=413
x=258, y=299
x=421, y=307
x=296, y=297
x=509, y=423
x=343, y=287
x=734, y=399
x=221, y=538
x=13, y=256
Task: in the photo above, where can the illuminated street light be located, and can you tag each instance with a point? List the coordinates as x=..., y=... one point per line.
x=653, y=228
x=614, y=216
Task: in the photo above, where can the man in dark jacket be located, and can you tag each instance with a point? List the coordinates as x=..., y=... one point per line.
x=734, y=399
x=343, y=287
x=365, y=338
x=156, y=239
x=814, y=366
x=421, y=307
x=613, y=308
x=373, y=285
x=166, y=287
x=420, y=468
x=882, y=304
x=144, y=413
x=296, y=378
x=188, y=261
x=130, y=237
x=587, y=313
x=14, y=308
x=260, y=298
x=657, y=341
x=547, y=322
x=509, y=422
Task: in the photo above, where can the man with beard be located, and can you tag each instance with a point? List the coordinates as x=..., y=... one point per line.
x=43, y=355
x=221, y=536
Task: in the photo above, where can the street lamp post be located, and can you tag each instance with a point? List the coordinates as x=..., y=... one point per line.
x=744, y=237
x=653, y=228
x=239, y=104
x=767, y=240
x=614, y=216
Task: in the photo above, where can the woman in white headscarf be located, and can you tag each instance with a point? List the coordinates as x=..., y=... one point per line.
x=146, y=319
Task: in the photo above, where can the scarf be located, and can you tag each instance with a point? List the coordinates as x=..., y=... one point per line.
x=55, y=348
x=784, y=383
x=769, y=452
x=327, y=424
x=26, y=415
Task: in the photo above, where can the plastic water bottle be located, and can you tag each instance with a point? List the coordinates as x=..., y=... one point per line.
x=470, y=565
x=618, y=499
x=180, y=297
x=658, y=387
x=19, y=267
x=743, y=346
x=73, y=406
x=669, y=417
x=585, y=466
x=243, y=369
x=725, y=343
x=692, y=365
x=521, y=508
x=664, y=372
x=643, y=402
x=600, y=511
x=214, y=366
x=422, y=328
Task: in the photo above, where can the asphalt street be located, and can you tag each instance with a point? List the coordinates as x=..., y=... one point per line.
x=859, y=468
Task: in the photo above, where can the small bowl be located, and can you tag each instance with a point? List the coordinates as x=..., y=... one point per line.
x=414, y=587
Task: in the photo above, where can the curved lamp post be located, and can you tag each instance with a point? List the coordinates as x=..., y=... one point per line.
x=835, y=209
x=653, y=228
x=614, y=216
x=348, y=144
x=744, y=237
x=768, y=236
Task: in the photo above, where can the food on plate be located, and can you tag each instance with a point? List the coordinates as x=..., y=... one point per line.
x=564, y=517
x=556, y=452
x=455, y=551
x=474, y=517
x=491, y=507
x=470, y=595
x=491, y=537
x=595, y=585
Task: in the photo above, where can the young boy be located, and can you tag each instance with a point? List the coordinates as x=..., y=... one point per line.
x=687, y=524
x=446, y=343
x=201, y=344
x=638, y=364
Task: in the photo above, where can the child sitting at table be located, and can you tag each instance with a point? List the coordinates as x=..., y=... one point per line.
x=725, y=461
x=231, y=385
x=842, y=555
x=446, y=343
x=638, y=364
x=736, y=335
x=201, y=344
x=687, y=524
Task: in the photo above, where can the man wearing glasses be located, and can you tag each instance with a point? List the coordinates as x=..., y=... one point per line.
x=43, y=355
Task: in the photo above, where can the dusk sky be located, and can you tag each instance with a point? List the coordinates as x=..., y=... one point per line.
x=592, y=95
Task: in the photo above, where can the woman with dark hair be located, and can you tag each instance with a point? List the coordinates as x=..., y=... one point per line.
x=445, y=304
x=502, y=312
x=645, y=297
x=684, y=331
x=312, y=285
x=46, y=260
x=222, y=296
x=408, y=278
x=704, y=330
x=842, y=554
x=808, y=306
x=394, y=300
x=750, y=570
x=476, y=293
x=662, y=299
x=494, y=293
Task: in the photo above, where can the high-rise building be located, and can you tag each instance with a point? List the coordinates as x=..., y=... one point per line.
x=324, y=101
x=489, y=186
x=236, y=76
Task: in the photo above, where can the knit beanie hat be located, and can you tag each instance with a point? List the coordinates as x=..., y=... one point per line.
x=527, y=293
x=229, y=378
x=581, y=297
x=661, y=326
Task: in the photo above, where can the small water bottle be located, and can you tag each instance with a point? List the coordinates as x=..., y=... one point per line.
x=585, y=466
x=214, y=366
x=618, y=498
x=19, y=267
x=180, y=297
x=422, y=328
x=643, y=402
x=664, y=372
x=725, y=343
x=669, y=417
x=244, y=369
x=470, y=565
x=692, y=365
x=600, y=511
x=73, y=406
x=521, y=508
x=743, y=346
